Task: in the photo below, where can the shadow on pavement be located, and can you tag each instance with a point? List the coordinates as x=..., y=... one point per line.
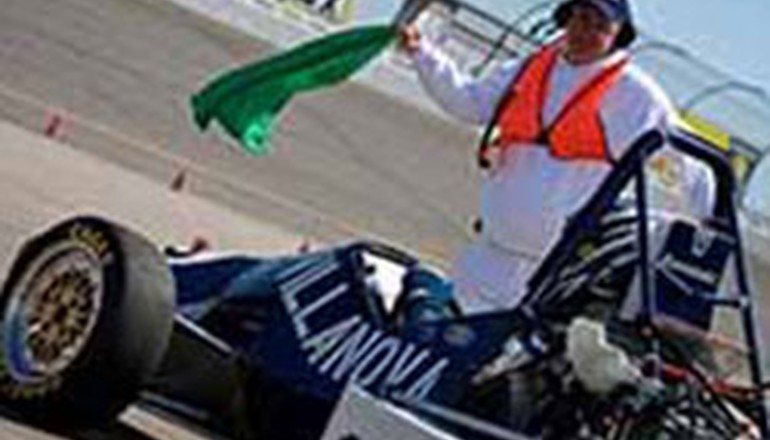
x=114, y=431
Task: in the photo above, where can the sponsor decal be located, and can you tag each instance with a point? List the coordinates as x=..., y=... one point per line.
x=351, y=348
x=681, y=272
x=666, y=169
x=94, y=239
x=684, y=265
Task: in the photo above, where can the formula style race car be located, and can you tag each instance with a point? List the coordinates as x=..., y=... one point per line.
x=638, y=325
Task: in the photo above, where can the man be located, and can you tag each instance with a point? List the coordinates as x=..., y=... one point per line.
x=563, y=117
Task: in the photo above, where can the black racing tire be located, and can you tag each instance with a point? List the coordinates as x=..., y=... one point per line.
x=86, y=314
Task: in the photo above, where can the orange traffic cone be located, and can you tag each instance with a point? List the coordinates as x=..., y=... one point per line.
x=199, y=244
x=53, y=125
x=304, y=247
x=179, y=181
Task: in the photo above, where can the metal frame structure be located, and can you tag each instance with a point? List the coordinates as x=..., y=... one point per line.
x=631, y=168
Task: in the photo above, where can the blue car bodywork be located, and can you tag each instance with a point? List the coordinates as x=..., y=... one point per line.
x=264, y=347
x=308, y=324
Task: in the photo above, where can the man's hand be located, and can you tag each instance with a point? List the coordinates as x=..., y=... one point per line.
x=409, y=39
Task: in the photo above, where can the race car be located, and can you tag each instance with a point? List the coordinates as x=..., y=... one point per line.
x=95, y=317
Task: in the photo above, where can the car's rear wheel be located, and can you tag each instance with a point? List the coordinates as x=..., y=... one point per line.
x=86, y=313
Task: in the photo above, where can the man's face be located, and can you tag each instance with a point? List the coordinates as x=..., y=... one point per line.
x=590, y=34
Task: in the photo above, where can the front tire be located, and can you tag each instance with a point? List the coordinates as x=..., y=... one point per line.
x=87, y=311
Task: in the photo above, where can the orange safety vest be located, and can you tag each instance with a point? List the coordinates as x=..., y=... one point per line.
x=576, y=132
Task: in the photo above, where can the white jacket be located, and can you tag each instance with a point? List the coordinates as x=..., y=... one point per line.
x=524, y=202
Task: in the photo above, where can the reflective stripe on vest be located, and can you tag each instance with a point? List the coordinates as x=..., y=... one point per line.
x=577, y=132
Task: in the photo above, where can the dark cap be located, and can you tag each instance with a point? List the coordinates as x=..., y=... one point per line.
x=615, y=10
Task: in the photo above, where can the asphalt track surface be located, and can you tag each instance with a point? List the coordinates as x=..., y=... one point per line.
x=347, y=162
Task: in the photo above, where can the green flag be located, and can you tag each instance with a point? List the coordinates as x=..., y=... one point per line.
x=246, y=100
